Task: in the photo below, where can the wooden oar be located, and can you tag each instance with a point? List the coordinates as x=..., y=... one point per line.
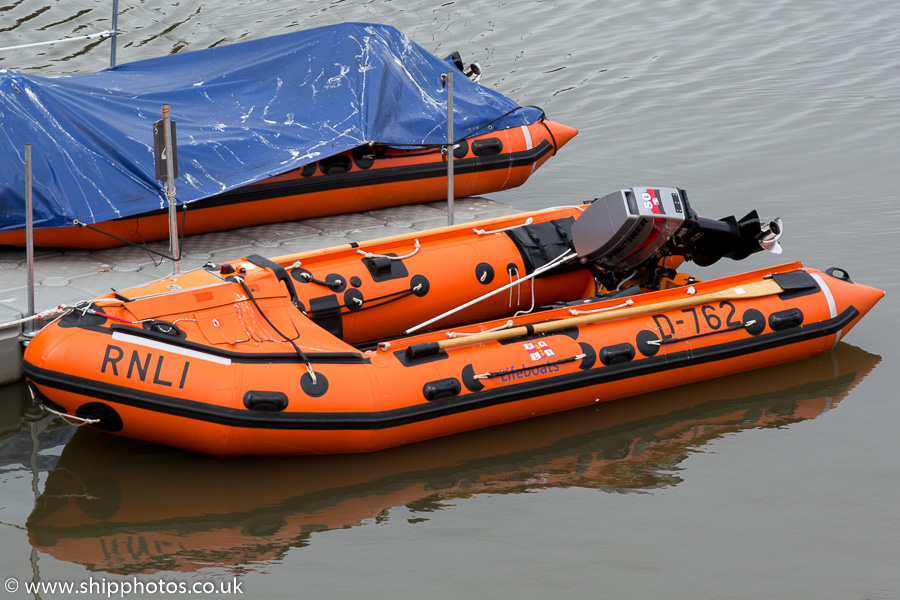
x=756, y=289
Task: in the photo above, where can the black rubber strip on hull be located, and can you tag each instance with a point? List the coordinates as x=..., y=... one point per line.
x=439, y=408
x=382, y=176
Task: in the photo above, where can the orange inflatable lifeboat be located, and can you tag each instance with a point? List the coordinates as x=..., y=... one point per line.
x=367, y=346
x=366, y=178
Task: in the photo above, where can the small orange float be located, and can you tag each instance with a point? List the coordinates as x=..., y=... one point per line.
x=367, y=346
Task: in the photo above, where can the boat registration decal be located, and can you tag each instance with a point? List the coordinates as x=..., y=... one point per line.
x=703, y=319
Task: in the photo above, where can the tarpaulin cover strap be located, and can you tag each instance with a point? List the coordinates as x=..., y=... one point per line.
x=244, y=112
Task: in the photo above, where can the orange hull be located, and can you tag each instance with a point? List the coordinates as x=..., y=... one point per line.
x=364, y=179
x=307, y=354
x=118, y=516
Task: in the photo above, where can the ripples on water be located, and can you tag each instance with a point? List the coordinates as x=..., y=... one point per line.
x=792, y=108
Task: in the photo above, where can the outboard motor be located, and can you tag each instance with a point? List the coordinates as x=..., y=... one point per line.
x=473, y=71
x=636, y=228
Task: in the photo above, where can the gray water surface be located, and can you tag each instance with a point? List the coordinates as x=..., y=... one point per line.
x=781, y=483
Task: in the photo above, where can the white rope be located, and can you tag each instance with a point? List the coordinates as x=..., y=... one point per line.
x=528, y=221
x=511, y=281
x=456, y=334
x=71, y=419
x=525, y=312
x=370, y=255
x=567, y=255
x=50, y=311
x=312, y=374
x=91, y=36
x=575, y=311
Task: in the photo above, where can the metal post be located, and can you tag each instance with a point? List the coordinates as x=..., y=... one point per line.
x=450, y=147
x=170, y=188
x=115, y=33
x=29, y=238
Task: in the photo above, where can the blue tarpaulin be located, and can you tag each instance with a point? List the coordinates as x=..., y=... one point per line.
x=244, y=112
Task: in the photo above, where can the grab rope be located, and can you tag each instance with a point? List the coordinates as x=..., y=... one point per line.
x=491, y=374
x=371, y=255
x=71, y=419
x=674, y=340
x=528, y=221
x=388, y=298
x=456, y=334
x=575, y=311
x=333, y=285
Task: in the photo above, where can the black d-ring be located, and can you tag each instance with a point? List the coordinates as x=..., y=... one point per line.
x=165, y=328
x=838, y=273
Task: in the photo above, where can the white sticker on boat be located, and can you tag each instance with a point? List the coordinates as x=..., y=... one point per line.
x=832, y=307
x=139, y=341
x=528, y=144
x=527, y=134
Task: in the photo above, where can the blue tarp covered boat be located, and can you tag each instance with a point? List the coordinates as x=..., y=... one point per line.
x=245, y=112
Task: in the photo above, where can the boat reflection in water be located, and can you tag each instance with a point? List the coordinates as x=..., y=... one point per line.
x=123, y=506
